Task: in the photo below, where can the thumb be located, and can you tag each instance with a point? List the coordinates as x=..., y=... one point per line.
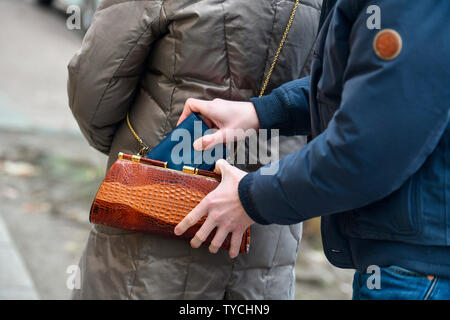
x=222, y=166
x=193, y=105
x=209, y=141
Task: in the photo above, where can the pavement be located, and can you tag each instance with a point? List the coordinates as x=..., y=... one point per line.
x=36, y=48
x=15, y=280
x=37, y=244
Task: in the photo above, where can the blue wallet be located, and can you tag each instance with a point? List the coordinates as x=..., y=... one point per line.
x=176, y=149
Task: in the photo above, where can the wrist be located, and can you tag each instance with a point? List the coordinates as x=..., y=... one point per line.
x=254, y=120
x=269, y=111
x=247, y=201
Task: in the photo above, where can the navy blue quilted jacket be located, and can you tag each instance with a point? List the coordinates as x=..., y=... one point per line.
x=378, y=167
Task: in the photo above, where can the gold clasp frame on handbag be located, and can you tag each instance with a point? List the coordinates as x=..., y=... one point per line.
x=161, y=164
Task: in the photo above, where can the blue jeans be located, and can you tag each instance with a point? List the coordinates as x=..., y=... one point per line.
x=399, y=283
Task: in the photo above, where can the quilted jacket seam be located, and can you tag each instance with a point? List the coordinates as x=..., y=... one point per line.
x=308, y=57
x=170, y=106
x=188, y=269
x=132, y=284
x=91, y=122
x=275, y=8
x=162, y=16
x=272, y=264
x=227, y=52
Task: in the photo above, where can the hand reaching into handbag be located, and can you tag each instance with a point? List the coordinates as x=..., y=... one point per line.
x=232, y=119
x=152, y=194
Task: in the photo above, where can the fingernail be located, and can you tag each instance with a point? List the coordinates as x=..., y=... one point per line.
x=195, y=245
x=213, y=250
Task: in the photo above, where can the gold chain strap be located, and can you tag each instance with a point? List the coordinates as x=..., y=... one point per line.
x=145, y=147
x=275, y=59
x=280, y=47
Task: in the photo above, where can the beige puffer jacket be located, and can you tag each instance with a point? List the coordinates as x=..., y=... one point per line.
x=146, y=58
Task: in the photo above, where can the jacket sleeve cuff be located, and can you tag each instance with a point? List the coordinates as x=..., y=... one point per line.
x=270, y=111
x=247, y=200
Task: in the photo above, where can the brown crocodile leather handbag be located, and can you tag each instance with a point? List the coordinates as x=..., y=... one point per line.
x=142, y=195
